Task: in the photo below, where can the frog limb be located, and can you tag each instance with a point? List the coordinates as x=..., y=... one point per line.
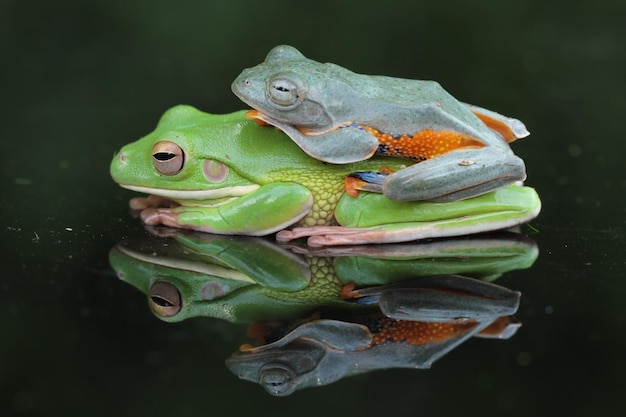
x=423, y=304
x=335, y=334
x=441, y=298
x=269, y=209
x=434, y=306
x=142, y=203
x=340, y=146
x=386, y=221
x=456, y=175
x=266, y=263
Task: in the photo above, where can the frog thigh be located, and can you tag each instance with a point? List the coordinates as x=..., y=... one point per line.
x=371, y=218
x=455, y=176
x=455, y=297
x=340, y=146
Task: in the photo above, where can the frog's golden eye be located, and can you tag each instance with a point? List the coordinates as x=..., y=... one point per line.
x=165, y=300
x=283, y=92
x=168, y=158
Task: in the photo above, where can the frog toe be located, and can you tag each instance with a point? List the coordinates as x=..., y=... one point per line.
x=158, y=216
x=364, y=181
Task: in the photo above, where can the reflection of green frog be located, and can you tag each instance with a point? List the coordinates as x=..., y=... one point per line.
x=227, y=175
x=243, y=279
x=338, y=116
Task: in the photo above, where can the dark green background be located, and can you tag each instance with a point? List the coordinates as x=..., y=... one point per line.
x=81, y=78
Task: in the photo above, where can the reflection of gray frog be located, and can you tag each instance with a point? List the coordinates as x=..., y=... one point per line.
x=420, y=324
x=243, y=279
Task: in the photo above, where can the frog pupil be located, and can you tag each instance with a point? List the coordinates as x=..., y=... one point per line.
x=161, y=302
x=164, y=156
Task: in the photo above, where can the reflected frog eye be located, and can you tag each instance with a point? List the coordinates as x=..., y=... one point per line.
x=165, y=300
x=168, y=158
x=283, y=92
x=277, y=379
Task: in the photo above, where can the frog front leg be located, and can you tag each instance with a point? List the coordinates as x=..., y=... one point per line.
x=342, y=145
x=266, y=210
x=456, y=175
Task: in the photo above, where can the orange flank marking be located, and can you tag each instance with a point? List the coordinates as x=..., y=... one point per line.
x=352, y=186
x=386, y=170
x=424, y=144
x=497, y=327
x=257, y=330
x=499, y=126
x=419, y=333
x=348, y=291
x=256, y=116
x=245, y=347
x=308, y=132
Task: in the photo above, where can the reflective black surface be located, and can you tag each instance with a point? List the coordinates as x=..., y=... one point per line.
x=80, y=79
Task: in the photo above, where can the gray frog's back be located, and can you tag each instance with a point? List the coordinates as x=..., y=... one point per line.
x=400, y=105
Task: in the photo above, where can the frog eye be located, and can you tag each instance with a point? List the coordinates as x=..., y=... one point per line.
x=167, y=157
x=165, y=300
x=277, y=379
x=283, y=92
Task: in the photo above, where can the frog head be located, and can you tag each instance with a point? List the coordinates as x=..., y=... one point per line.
x=190, y=157
x=216, y=173
x=290, y=89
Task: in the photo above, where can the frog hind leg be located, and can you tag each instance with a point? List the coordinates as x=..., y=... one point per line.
x=267, y=210
x=455, y=176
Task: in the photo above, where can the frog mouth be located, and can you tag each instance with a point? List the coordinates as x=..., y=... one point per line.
x=199, y=195
x=261, y=118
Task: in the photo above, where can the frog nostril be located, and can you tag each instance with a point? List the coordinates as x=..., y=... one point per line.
x=122, y=157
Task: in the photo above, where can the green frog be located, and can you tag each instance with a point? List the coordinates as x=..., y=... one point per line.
x=225, y=174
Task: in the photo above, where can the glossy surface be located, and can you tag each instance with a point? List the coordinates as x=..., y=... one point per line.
x=318, y=316
x=85, y=78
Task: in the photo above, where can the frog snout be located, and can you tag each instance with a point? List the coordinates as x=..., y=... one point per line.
x=240, y=84
x=245, y=82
